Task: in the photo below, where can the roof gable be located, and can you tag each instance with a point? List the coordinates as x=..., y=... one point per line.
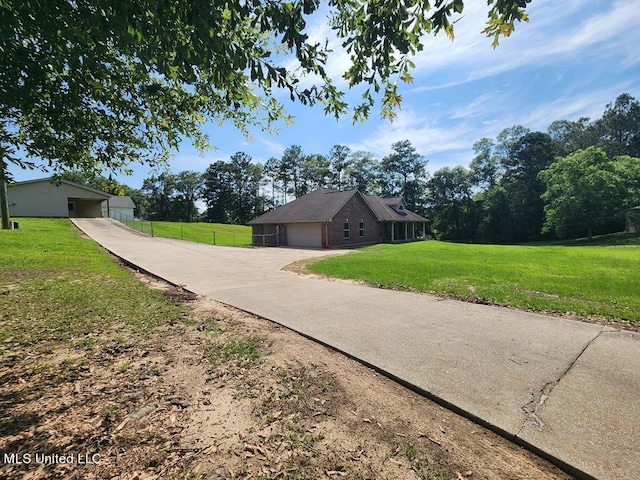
x=96, y=193
x=318, y=206
x=392, y=209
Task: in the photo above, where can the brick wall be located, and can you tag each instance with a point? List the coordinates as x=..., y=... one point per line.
x=354, y=211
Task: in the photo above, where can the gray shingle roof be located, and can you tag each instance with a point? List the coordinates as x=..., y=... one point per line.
x=392, y=210
x=322, y=205
x=318, y=206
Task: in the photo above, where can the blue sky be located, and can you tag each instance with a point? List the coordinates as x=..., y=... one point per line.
x=569, y=61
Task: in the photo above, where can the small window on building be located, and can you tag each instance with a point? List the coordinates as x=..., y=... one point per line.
x=361, y=228
x=346, y=229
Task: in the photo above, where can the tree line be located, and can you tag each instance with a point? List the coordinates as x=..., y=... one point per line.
x=239, y=189
x=577, y=178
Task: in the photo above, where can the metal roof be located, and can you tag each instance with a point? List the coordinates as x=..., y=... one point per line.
x=61, y=181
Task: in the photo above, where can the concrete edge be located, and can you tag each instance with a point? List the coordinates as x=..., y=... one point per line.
x=560, y=464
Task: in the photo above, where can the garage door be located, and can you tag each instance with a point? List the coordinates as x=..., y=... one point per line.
x=304, y=235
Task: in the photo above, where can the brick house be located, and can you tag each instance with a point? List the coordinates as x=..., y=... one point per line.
x=334, y=218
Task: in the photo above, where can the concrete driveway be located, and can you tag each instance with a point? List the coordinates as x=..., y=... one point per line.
x=566, y=389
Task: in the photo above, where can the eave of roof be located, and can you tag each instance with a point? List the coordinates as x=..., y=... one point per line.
x=385, y=213
x=62, y=180
x=323, y=204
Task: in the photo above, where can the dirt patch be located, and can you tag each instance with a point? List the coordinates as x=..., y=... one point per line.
x=224, y=394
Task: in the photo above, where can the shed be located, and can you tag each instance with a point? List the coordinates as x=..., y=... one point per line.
x=326, y=217
x=48, y=197
x=633, y=220
x=119, y=208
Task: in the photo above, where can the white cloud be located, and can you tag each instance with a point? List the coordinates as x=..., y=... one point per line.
x=426, y=134
x=554, y=31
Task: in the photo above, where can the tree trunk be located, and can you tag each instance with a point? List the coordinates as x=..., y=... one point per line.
x=4, y=199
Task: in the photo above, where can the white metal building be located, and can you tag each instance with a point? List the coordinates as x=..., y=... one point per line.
x=48, y=197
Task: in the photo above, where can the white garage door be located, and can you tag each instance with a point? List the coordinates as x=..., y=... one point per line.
x=304, y=235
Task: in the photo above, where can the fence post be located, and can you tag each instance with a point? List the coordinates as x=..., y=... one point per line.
x=214, y=237
x=151, y=228
x=234, y=239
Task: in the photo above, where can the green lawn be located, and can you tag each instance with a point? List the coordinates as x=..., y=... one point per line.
x=56, y=286
x=226, y=235
x=209, y=233
x=601, y=280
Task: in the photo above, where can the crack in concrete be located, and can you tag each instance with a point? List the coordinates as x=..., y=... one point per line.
x=539, y=396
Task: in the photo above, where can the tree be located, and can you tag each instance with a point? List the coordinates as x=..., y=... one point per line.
x=404, y=170
x=450, y=203
x=315, y=171
x=628, y=169
x=361, y=171
x=98, y=84
x=619, y=127
x=496, y=222
x=531, y=154
x=569, y=137
x=246, y=177
x=271, y=170
x=231, y=190
x=218, y=192
x=485, y=166
x=97, y=182
x=140, y=200
x=291, y=171
x=584, y=191
x=507, y=140
x=338, y=156
x=188, y=189
x=160, y=191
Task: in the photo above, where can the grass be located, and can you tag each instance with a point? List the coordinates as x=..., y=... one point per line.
x=243, y=351
x=57, y=287
x=225, y=235
x=599, y=279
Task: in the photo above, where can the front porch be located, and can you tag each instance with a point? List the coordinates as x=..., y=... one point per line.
x=396, y=232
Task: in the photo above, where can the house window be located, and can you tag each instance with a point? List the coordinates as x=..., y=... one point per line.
x=361, y=228
x=346, y=229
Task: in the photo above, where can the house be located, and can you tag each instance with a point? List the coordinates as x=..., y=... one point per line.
x=334, y=218
x=633, y=220
x=48, y=197
x=119, y=208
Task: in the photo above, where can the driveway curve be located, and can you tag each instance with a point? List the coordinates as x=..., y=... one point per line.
x=566, y=389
